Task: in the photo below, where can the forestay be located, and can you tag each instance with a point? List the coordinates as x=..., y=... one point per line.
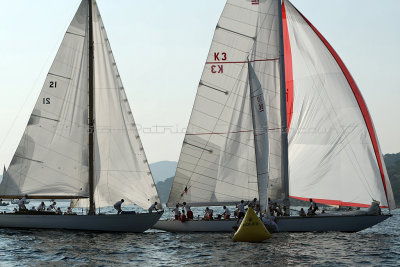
x=333, y=149
x=217, y=163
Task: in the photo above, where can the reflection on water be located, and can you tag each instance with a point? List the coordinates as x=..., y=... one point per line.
x=379, y=245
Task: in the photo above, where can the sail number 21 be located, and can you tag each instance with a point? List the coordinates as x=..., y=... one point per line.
x=46, y=100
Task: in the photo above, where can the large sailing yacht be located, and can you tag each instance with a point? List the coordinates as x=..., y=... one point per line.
x=81, y=141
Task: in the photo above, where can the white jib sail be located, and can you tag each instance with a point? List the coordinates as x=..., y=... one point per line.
x=333, y=154
x=260, y=131
x=121, y=167
x=217, y=163
x=51, y=158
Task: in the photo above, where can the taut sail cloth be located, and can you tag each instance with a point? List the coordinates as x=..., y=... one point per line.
x=334, y=154
x=52, y=157
x=217, y=163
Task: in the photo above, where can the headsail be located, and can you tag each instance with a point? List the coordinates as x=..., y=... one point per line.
x=334, y=153
x=217, y=162
x=51, y=158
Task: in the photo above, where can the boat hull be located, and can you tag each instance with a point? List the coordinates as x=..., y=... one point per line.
x=135, y=223
x=340, y=223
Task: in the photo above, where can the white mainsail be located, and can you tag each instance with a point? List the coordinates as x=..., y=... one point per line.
x=217, y=163
x=52, y=158
x=334, y=153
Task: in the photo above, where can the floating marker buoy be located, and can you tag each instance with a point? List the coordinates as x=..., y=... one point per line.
x=251, y=229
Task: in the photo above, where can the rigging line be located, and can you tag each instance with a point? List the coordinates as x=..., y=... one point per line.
x=242, y=62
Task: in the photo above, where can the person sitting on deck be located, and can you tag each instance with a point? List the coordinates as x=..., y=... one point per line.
x=183, y=217
x=58, y=211
x=208, y=214
x=33, y=209
x=227, y=213
x=52, y=206
x=21, y=203
x=177, y=212
x=118, y=205
x=253, y=204
x=313, y=206
x=240, y=207
x=153, y=207
x=189, y=212
x=69, y=211
x=41, y=207
x=302, y=213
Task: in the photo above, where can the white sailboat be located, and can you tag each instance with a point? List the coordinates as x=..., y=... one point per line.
x=81, y=141
x=322, y=143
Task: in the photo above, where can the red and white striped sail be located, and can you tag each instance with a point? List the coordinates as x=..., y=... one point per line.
x=334, y=154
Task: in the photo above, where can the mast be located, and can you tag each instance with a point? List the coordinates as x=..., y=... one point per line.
x=284, y=138
x=92, y=207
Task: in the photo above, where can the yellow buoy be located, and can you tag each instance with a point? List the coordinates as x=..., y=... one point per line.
x=251, y=229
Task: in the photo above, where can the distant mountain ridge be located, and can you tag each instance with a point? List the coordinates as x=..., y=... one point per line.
x=162, y=170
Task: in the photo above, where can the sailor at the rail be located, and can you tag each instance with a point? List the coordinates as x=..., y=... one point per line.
x=177, y=212
x=153, y=207
x=21, y=203
x=118, y=205
x=41, y=207
x=227, y=213
x=189, y=212
x=52, y=206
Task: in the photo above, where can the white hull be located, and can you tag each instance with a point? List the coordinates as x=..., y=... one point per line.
x=136, y=223
x=340, y=223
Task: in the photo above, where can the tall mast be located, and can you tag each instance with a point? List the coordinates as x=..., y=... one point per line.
x=284, y=138
x=92, y=207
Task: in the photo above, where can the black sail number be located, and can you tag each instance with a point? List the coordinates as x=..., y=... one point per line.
x=53, y=84
x=46, y=100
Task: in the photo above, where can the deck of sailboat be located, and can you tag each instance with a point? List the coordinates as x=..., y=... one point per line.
x=131, y=222
x=320, y=223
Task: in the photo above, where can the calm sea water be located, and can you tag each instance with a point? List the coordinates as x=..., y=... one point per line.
x=377, y=246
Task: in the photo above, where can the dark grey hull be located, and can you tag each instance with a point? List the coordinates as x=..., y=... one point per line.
x=135, y=223
x=321, y=223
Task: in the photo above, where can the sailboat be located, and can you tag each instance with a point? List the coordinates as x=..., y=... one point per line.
x=320, y=137
x=81, y=142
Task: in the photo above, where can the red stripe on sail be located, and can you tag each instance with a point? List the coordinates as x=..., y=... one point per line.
x=288, y=68
x=335, y=202
x=359, y=98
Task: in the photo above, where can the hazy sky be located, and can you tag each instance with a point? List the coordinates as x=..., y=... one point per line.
x=160, y=48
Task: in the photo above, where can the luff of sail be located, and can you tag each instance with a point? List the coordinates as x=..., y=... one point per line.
x=217, y=163
x=334, y=153
x=51, y=158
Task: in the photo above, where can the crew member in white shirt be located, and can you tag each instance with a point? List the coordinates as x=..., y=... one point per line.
x=227, y=213
x=21, y=203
